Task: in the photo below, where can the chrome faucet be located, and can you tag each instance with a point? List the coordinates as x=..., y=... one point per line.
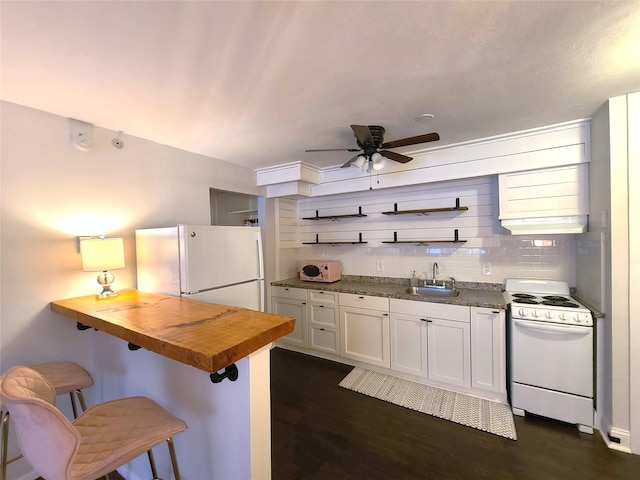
x=435, y=272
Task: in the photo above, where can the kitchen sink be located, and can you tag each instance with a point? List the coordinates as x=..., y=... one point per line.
x=432, y=291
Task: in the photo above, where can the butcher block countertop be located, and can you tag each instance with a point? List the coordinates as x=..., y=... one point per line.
x=204, y=335
x=488, y=295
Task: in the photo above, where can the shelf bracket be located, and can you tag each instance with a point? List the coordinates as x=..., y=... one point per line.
x=230, y=372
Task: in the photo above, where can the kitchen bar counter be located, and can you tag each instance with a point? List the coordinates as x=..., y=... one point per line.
x=207, y=336
x=471, y=294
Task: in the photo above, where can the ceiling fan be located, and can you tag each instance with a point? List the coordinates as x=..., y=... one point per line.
x=372, y=148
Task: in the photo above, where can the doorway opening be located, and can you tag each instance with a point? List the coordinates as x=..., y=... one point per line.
x=235, y=209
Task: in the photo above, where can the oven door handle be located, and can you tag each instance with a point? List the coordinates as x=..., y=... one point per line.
x=545, y=327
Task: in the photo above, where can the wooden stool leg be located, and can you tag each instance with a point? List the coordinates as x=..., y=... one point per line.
x=174, y=459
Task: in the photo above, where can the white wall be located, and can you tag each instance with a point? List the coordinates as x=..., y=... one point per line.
x=614, y=186
x=51, y=193
x=488, y=244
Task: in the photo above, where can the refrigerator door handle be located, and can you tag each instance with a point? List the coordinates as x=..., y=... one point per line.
x=222, y=287
x=260, y=259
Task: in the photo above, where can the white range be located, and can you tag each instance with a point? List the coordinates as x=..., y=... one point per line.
x=550, y=352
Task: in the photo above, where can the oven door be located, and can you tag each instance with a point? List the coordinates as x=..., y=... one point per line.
x=552, y=356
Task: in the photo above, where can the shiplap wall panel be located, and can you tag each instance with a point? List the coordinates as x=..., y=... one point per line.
x=476, y=225
x=288, y=223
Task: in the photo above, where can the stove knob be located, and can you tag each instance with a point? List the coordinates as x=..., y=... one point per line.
x=535, y=314
x=522, y=312
x=548, y=315
x=577, y=319
x=563, y=316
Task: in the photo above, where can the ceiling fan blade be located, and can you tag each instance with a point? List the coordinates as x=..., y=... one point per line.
x=334, y=150
x=348, y=164
x=363, y=134
x=427, y=137
x=397, y=157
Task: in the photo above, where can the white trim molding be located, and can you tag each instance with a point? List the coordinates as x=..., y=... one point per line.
x=555, y=145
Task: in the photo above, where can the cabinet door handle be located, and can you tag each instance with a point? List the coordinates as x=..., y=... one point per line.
x=362, y=298
x=322, y=329
x=321, y=306
x=495, y=311
x=304, y=303
x=423, y=319
x=385, y=314
x=321, y=292
x=429, y=321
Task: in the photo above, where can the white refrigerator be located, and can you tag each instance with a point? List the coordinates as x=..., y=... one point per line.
x=216, y=264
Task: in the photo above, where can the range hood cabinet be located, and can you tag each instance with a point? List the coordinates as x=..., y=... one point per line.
x=545, y=201
x=546, y=225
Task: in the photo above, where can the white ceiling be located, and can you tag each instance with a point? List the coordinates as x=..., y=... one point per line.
x=257, y=83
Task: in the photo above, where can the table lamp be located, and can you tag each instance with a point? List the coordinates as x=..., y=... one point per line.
x=102, y=255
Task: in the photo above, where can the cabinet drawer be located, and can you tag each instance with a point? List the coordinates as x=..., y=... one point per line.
x=322, y=296
x=325, y=340
x=324, y=315
x=363, y=301
x=458, y=313
x=289, y=292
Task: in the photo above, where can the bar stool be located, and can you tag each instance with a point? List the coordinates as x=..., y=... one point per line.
x=105, y=437
x=64, y=377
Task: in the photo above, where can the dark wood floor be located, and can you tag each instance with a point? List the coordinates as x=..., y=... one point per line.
x=321, y=431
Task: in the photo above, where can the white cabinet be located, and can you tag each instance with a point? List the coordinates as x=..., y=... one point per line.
x=431, y=340
x=408, y=343
x=364, y=329
x=292, y=302
x=324, y=323
x=488, y=349
x=408, y=325
x=448, y=352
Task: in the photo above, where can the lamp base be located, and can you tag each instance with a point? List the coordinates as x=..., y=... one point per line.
x=108, y=294
x=105, y=279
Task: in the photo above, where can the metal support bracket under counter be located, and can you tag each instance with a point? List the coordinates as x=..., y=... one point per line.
x=207, y=336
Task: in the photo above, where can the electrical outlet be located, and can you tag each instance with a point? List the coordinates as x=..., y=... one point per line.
x=380, y=266
x=486, y=269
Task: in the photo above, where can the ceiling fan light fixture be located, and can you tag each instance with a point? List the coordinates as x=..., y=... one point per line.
x=360, y=162
x=378, y=162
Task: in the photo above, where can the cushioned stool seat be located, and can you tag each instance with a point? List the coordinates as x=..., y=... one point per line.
x=103, y=438
x=65, y=377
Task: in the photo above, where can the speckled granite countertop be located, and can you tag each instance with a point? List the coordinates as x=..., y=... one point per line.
x=488, y=295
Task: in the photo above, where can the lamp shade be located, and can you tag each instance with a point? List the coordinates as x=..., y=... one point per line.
x=99, y=254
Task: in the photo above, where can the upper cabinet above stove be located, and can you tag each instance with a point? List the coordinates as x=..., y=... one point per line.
x=545, y=201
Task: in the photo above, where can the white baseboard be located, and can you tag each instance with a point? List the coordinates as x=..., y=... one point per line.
x=622, y=438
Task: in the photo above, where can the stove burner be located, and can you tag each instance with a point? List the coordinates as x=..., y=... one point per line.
x=528, y=301
x=556, y=298
x=562, y=303
x=523, y=295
